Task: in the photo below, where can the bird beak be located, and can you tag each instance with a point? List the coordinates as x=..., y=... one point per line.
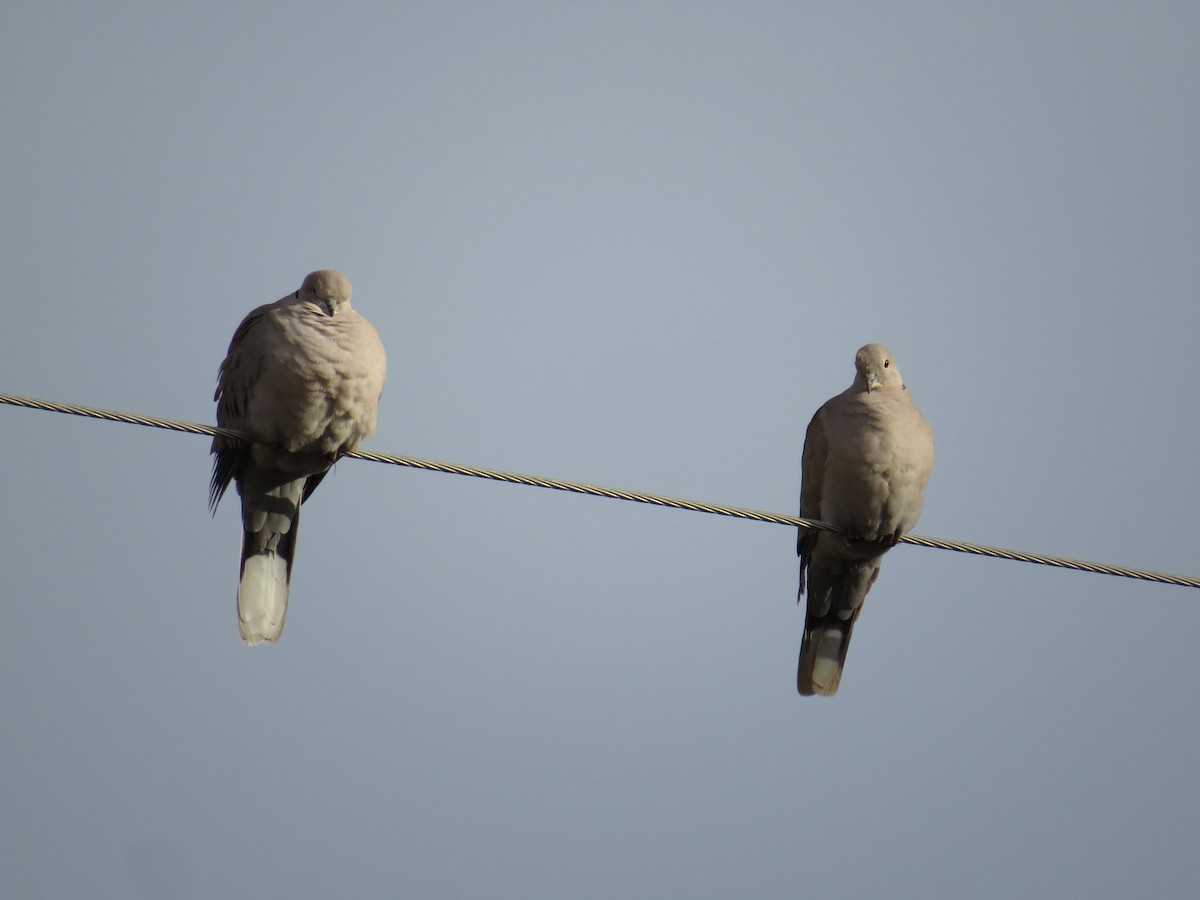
x=873, y=382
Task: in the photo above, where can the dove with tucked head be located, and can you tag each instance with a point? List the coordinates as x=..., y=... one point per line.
x=302, y=377
x=868, y=456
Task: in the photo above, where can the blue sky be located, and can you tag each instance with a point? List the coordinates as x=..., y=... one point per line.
x=635, y=245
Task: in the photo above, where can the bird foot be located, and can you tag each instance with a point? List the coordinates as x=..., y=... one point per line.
x=884, y=543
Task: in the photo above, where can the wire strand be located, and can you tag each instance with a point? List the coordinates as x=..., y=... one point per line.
x=635, y=496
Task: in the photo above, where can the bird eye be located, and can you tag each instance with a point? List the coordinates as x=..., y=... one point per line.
x=886, y=363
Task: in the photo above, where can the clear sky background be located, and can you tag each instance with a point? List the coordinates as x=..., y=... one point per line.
x=636, y=245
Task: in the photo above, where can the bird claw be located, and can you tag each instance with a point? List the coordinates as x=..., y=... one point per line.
x=886, y=542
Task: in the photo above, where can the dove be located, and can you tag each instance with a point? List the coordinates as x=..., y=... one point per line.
x=868, y=456
x=302, y=378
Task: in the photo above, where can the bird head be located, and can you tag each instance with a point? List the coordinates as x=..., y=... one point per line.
x=328, y=289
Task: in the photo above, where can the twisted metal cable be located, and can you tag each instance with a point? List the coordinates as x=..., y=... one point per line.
x=635, y=496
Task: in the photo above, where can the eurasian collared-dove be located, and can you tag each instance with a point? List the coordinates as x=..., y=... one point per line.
x=868, y=456
x=303, y=376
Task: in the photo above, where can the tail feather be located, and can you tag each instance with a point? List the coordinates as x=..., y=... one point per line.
x=822, y=656
x=270, y=522
x=262, y=596
x=836, y=592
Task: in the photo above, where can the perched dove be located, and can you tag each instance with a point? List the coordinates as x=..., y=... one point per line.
x=303, y=377
x=868, y=456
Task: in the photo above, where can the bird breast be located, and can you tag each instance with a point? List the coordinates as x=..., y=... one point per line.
x=877, y=467
x=321, y=396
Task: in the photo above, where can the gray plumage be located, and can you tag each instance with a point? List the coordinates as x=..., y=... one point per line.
x=303, y=376
x=868, y=455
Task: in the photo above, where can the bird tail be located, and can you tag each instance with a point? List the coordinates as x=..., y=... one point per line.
x=262, y=594
x=836, y=592
x=822, y=656
x=270, y=522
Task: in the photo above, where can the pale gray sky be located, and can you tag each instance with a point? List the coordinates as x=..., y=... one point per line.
x=638, y=245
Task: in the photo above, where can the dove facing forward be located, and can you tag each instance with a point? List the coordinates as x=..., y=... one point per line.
x=868, y=455
x=302, y=378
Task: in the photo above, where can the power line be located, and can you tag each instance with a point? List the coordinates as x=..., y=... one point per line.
x=635, y=496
